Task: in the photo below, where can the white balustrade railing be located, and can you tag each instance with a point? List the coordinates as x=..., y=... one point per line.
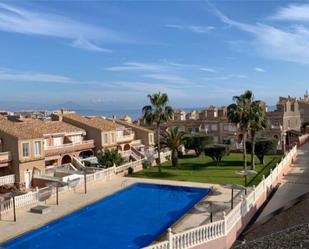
x=26, y=199
x=8, y=179
x=132, y=164
x=202, y=234
x=196, y=236
x=160, y=245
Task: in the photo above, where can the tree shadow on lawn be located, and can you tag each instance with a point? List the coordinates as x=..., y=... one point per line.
x=188, y=156
x=263, y=172
x=202, y=165
x=152, y=174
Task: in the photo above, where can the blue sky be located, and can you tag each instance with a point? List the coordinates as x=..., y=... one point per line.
x=113, y=53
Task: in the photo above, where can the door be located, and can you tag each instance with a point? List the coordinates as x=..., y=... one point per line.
x=27, y=179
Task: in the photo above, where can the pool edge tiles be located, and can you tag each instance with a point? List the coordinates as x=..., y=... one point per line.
x=134, y=217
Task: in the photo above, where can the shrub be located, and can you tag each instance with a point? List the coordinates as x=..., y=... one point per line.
x=130, y=170
x=87, y=163
x=146, y=164
x=109, y=157
x=197, y=142
x=217, y=151
x=263, y=146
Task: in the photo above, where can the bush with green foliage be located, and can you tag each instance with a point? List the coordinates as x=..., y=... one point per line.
x=217, y=151
x=87, y=163
x=130, y=170
x=197, y=142
x=109, y=157
x=263, y=146
x=146, y=164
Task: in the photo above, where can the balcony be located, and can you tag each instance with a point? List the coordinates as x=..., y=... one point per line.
x=69, y=147
x=125, y=138
x=276, y=127
x=5, y=159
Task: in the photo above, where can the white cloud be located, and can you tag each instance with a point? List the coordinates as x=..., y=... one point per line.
x=87, y=45
x=136, y=66
x=207, y=69
x=192, y=28
x=11, y=75
x=292, y=12
x=260, y=70
x=22, y=21
x=227, y=77
x=289, y=44
x=170, y=78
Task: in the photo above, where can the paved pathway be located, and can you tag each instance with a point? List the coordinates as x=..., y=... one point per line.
x=294, y=183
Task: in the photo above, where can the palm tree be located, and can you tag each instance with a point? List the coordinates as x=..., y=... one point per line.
x=173, y=139
x=157, y=112
x=239, y=114
x=258, y=123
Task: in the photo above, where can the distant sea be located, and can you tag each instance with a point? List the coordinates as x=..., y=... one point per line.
x=134, y=114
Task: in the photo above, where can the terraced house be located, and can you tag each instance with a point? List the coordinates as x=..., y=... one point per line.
x=33, y=146
x=110, y=133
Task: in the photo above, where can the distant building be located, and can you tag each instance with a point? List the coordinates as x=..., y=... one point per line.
x=304, y=108
x=179, y=115
x=212, y=121
x=284, y=123
x=193, y=115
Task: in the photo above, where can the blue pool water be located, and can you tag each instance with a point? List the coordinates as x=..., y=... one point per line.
x=131, y=218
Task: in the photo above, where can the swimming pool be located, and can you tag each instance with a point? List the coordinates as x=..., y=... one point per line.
x=130, y=218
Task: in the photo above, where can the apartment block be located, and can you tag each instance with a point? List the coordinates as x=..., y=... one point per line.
x=30, y=147
x=304, y=107
x=108, y=133
x=284, y=123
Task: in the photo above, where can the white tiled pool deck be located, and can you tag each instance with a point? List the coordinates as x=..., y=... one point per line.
x=74, y=200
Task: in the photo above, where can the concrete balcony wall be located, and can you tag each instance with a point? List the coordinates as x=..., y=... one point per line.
x=70, y=147
x=5, y=159
x=125, y=138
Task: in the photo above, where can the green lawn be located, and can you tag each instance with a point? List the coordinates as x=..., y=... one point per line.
x=202, y=169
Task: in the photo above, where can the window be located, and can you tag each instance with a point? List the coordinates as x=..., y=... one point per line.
x=37, y=148
x=214, y=127
x=113, y=138
x=57, y=141
x=25, y=149
x=76, y=139
x=150, y=138
x=105, y=139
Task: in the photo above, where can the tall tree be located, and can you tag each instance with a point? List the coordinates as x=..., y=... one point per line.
x=258, y=121
x=197, y=142
x=157, y=112
x=173, y=139
x=239, y=114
